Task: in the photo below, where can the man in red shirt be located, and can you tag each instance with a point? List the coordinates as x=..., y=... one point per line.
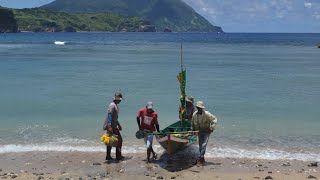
x=147, y=120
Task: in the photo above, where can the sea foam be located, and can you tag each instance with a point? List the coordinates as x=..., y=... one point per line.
x=268, y=154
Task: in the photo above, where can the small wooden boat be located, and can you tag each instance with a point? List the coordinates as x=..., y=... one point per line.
x=177, y=137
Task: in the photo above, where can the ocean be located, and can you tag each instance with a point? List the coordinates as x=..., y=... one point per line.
x=263, y=88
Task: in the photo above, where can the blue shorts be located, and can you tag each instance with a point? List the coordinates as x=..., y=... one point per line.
x=148, y=141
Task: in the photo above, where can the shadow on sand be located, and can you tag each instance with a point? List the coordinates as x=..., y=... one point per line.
x=179, y=161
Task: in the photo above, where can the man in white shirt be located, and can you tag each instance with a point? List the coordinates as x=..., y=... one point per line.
x=204, y=122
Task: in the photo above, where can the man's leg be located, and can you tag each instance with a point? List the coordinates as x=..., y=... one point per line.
x=203, y=147
x=119, y=145
x=108, y=154
x=148, y=155
x=154, y=155
x=148, y=142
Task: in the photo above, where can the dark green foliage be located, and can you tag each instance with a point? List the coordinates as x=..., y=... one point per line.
x=7, y=21
x=40, y=20
x=172, y=14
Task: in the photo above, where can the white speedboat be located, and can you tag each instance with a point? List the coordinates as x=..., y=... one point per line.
x=59, y=42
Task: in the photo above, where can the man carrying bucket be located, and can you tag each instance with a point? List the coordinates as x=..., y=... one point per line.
x=147, y=120
x=113, y=126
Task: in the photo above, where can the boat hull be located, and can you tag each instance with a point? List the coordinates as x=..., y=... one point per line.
x=172, y=141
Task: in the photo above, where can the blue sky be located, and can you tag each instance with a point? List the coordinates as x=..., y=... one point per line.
x=241, y=15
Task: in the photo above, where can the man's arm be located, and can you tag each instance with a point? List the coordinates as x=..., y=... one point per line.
x=109, y=118
x=213, y=121
x=192, y=122
x=138, y=122
x=156, y=123
x=109, y=121
x=158, y=127
x=119, y=126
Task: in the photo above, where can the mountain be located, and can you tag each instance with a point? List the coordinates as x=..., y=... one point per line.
x=40, y=20
x=7, y=21
x=164, y=14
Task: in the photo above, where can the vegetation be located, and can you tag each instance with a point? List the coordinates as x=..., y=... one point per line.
x=7, y=21
x=39, y=20
x=164, y=14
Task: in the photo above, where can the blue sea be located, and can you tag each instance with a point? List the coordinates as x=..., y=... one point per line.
x=263, y=88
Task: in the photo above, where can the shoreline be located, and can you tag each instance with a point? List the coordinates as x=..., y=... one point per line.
x=90, y=165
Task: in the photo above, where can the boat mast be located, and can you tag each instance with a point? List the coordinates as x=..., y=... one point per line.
x=181, y=62
x=184, y=104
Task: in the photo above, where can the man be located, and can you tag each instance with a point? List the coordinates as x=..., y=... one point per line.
x=204, y=122
x=113, y=126
x=189, y=108
x=147, y=120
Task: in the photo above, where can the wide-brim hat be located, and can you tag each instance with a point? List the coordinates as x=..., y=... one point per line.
x=190, y=99
x=200, y=104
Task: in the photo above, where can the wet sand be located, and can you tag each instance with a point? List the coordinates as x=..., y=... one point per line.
x=91, y=165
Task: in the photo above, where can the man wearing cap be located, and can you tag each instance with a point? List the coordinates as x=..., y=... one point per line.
x=147, y=120
x=204, y=122
x=113, y=126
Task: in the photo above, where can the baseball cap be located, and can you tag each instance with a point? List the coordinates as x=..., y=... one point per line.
x=149, y=105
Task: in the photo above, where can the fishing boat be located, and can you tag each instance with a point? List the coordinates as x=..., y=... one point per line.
x=175, y=137
x=178, y=135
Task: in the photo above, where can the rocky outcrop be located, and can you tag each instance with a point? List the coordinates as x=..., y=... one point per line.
x=147, y=28
x=7, y=21
x=167, y=30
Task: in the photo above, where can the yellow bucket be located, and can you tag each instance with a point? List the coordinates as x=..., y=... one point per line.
x=109, y=140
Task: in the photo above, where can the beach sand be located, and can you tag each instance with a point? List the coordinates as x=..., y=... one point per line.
x=91, y=165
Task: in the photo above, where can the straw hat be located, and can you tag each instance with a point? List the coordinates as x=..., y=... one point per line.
x=200, y=104
x=190, y=99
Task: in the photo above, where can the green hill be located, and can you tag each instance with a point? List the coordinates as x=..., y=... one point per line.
x=173, y=14
x=40, y=20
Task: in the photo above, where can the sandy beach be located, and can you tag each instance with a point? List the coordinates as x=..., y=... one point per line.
x=89, y=165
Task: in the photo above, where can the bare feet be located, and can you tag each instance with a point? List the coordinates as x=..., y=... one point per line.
x=155, y=156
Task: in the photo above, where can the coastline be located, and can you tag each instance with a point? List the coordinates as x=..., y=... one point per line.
x=91, y=165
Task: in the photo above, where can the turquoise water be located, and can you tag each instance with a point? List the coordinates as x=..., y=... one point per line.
x=264, y=89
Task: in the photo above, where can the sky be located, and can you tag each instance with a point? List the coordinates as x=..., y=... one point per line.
x=241, y=15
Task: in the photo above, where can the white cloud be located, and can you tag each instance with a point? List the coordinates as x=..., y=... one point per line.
x=308, y=4
x=259, y=14
x=316, y=15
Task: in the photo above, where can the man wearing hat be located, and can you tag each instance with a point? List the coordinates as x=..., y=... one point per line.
x=189, y=108
x=113, y=126
x=147, y=120
x=204, y=122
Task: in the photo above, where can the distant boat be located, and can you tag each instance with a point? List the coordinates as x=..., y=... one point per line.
x=59, y=42
x=318, y=46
